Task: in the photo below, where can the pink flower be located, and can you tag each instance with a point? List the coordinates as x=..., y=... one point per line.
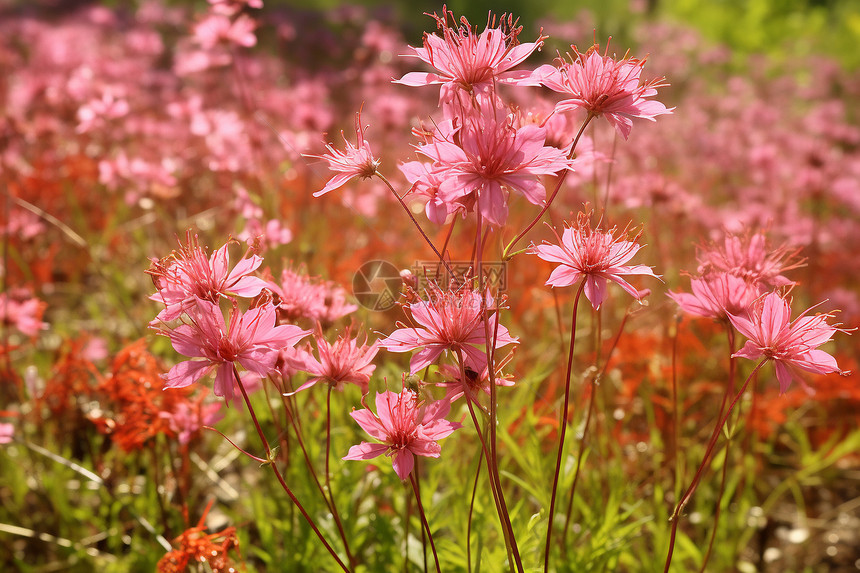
x=183, y=277
x=792, y=346
x=25, y=315
x=218, y=28
x=716, y=294
x=603, y=86
x=449, y=321
x=252, y=340
x=356, y=161
x=7, y=431
x=346, y=360
x=186, y=419
x=475, y=381
x=466, y=61
x=751, y=258
x=405, y=426
x=490, y=155
x=594, y=256
x=425, y=182
x=302, y=296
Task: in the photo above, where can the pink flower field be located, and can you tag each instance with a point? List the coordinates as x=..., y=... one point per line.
x=311, y=290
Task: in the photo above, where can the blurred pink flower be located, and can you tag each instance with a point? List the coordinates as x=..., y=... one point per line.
x=594, y=256
x=302, y=296
x=24, y=313
x=603, y=86
x=716, y=294
x=182, y=278
x=231, y=7
x=345, y=361
x=252, y=340
x=187, y=418
x=751, y=258
x=406, y=428
x=791, y=345
x=217, y=28
x=356, y=161
x=451, y=320
x=468, y=61
x=6, y=433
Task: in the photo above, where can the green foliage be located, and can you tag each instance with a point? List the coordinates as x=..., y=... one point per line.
x=783, y=29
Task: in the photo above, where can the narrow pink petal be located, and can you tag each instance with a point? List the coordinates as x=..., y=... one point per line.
x=595, y=290
x=402, y=340
x=750, y=350
x=335, y=182
x=370, y=423
x=365, y=451
x=403, y=463
x=419, y=79
x=224, y=381
x=783, y=375
x=424, y=358
x=186, y=373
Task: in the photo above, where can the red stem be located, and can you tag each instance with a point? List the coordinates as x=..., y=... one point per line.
x=710, y=449
x=562, y=426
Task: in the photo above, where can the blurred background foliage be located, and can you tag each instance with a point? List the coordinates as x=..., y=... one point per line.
x=779, y=28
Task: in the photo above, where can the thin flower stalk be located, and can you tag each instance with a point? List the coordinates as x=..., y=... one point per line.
x=685, y=498
x=562, y=426
x=414, y=482
x=579, y=457
x=498, y=338
x=508, y=252
x=270, y=461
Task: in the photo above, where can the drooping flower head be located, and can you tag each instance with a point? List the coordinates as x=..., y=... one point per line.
x=594, y=256
x=252, y=341
x=355, y=161
x=603, y=86
x=347, y=360
x=189, y=274
x=750, y=257
x=475, y=381
x=489, y=156
x=468, y=61
x=448, y=320
x=405, y=426
x=790, y=345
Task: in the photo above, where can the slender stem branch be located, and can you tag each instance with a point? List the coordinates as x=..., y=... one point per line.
x=486, y=451
x=562, y=426
x=278, y=475
x=329, y=502
x=506, y=253
x=731, y=388
x=710, y=450
x=492, y=460
x=424, y=521
x=415, y=222
x=471, y=512
x=332, y=503
x=597, y=377
x=579, y=456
